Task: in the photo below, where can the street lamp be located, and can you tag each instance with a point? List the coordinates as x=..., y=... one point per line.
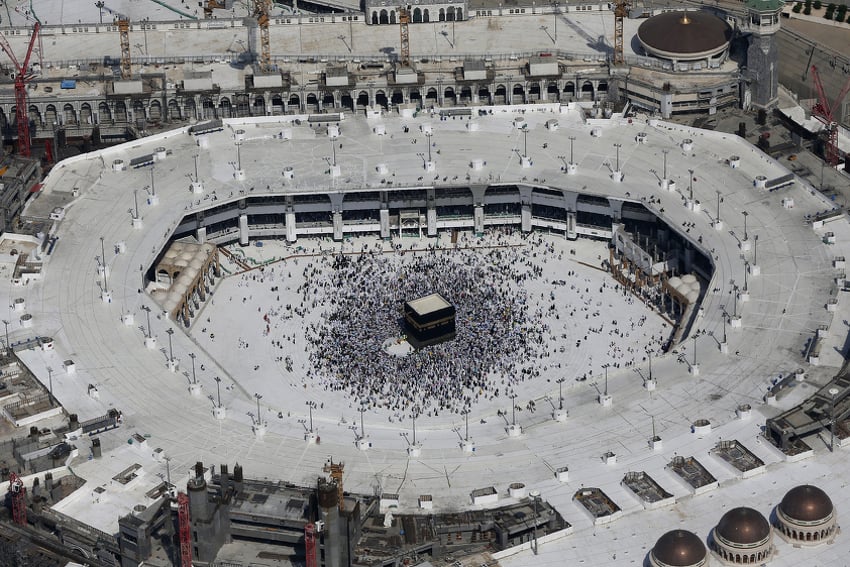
x=606, y=379
x=217, y=387
x=103, y=263
x=8, y=346
x=192, y=355
x=756, y=250
x=428, y=135
x=147, y=310
x=466, y=420
x=618, y=146
x=832, y=392
x=665, y=152
x=691, y=184
x=259, y=397
x=525, y=143
x=535, y=495
x=99, y=5
x=560, y=382
x=311, y=404
x=513, y=408
x=746, y=214
x=719, y=200
x=50, y=382
x=572, y=139
x=170, y=332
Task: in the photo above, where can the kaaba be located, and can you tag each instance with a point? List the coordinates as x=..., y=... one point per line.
x=429, y=320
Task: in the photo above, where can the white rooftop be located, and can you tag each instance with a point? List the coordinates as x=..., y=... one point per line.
x=787, y=304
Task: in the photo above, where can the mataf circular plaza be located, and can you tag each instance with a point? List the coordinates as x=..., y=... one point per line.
x=633, y=300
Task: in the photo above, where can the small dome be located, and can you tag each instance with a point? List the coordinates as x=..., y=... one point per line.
x=679, y=548
x=743, y=526
x=806, y=503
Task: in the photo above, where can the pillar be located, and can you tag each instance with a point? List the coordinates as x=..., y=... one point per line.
x=201, y=235
x=478, y=217
x=290, y=227
x=243, y=230
x=385, y=223
x=338, y=226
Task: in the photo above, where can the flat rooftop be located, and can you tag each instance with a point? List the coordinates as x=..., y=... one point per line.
x=429, y=304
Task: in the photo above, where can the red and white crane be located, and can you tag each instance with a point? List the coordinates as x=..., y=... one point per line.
x=22, y=78
x=184, y=530
x=18, y=492
x=826, y=112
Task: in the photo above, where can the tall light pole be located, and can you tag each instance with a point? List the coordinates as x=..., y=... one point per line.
x=649, y=353
x=718, y=206
x=618, y=146
x=606, y=379
x=428, y=135
x=665, y=152
x=147, y=310
x=192, y=355
x=535, y=494
x=259, y=397
x=362, y=429
x=50, y=382
x=466, y=420
x=310, y=405
x=756, y=249
x=695, y=348
x=103, y=262
x=746, y=214
x=560, y=382
x=8, y=346
x=525, y=142
x=572, y=139
x=691, y=184
x=413, y=417
x=218, y=389
x=169, y=331
x=832, y=393
x=513, y=408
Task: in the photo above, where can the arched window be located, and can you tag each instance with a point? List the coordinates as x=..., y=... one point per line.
x=375, y=17
x=442, y=15
x=426, y=16
x=417, y=16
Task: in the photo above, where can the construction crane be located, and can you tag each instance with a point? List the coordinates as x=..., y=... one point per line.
x=335, y=471
x=621, y=10
x=185, y=530
x=826, y=112
x=310, y=544
x=23, y=9
x=262, y=8
x=19, y=503
x=404, y=29
x=22, y=78
x=124, y=35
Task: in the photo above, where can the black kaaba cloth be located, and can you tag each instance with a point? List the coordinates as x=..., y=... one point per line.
x=429, y=320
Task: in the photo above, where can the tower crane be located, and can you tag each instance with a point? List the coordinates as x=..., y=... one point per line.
x=19, y=504
x=404, y=30
x=22, y=78
x=262, y=8
x=124, y=35
x=335, y=471
x=621, y=10
x=23, y=10
x=184, y=530
x=826, y=112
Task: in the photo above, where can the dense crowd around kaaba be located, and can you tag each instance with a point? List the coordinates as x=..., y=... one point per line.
x=498, y=330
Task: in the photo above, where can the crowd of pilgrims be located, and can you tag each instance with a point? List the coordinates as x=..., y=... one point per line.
x=498, y=331
x=344, y=312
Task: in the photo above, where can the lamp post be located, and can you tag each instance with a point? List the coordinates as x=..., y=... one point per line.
x=832, y=393
x=333, y=152
x=310, y=405
x=362, y=430
x=618, y=146
x=50, y=382
x=218, y=389
x=103, y=263
x=259, y=397
x=695, y=348
x=691, y=184
x=665, y=152
x=8, y=346
x=649, y=353
x=717, y=220
x=572, y=139
x=99, y=5
x=428, y=135
x=746, y=214
x=756, y=249
x=513, y=409
x=466, y=424
x=560, y=382
x=170, y=332
x=535, y=494
x=525, y=142
x=192, y=355
x=147, y=310
x=606, y=379
x=413, y=417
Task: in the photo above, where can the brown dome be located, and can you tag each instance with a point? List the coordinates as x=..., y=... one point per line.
x=679, y=548
x=684, y=35
x=743, y=526
x=806, y=503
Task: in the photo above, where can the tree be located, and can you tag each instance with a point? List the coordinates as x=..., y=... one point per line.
x=817, y=5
